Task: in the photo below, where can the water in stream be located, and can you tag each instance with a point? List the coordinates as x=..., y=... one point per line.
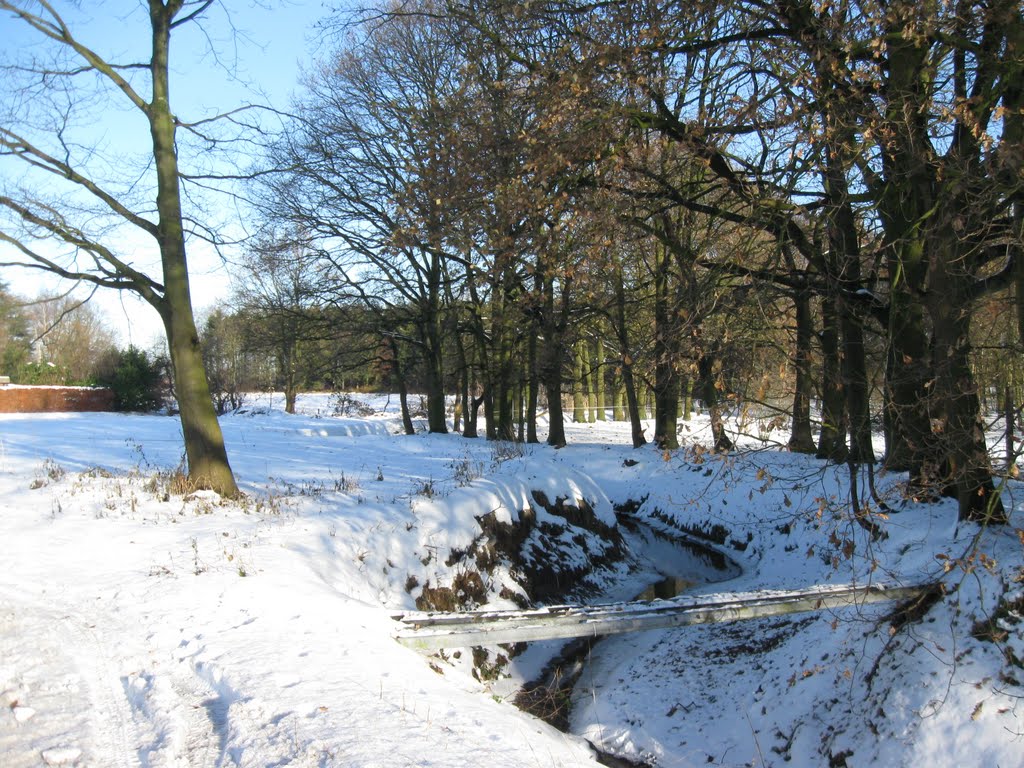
x=663, y=566
x=673, y=564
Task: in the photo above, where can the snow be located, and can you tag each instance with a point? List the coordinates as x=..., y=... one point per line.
x=143, y=627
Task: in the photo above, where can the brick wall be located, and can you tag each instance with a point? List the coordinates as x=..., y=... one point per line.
x=15, y=399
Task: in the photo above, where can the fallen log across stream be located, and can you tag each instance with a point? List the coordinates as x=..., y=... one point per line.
x=432, y=631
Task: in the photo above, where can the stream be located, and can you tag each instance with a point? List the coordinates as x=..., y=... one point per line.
x=675, y=563
x=663, y=566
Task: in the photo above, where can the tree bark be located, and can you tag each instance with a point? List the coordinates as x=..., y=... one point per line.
x=844, y=274
x=533, y=391
x=908, y=371
x=1009, y=415
x=666, y=377
x=432, y=334
x=289, y=375
x=619, y=403
x=904, y=205
x=579, y=385
x=709, y=394
x=801, y=439
x=965, y=471
x=465, y=376
x=403, y=391
x=832, y=438
x=437, y=410
x=552, y=330
x=626, y=361
x=208, y=465
x=504, y=375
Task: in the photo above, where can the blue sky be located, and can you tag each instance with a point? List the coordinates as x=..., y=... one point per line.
x=244, y=52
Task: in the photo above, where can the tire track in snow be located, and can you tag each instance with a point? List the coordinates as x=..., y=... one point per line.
x=115, y=723
x=56, y=664
x=140, y=711
x=198, y=738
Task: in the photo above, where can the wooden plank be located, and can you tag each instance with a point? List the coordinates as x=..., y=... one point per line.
x=431, y=631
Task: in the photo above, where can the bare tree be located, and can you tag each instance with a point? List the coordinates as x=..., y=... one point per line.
x=277, y=295
x=72, y=210
x=371, y=182
x=71, y=335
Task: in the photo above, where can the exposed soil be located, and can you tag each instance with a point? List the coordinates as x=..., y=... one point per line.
x=549, y=696
x=551, y=562
x=541, y=553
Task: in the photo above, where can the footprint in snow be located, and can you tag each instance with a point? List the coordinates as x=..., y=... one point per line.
x=61, y=756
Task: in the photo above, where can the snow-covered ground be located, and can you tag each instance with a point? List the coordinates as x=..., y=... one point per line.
x=143, y=627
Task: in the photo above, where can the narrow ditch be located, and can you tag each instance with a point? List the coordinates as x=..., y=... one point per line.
x=676, y=564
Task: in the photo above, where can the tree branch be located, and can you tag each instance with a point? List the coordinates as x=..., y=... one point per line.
x=57, y=30
x=121, y=276
x=14, y=145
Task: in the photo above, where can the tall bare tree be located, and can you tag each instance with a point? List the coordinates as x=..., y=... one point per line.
x=73, y=206
x=371, y=181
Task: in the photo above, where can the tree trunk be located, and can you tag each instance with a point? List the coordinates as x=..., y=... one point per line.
x=503, y=384
x=666, y=413
x=666, y=378
x=472, y=409
x=208, y=465
x=403, y=391
x=465, y=377
x=472, y=416
x=903, y=206
x=469, y=362
x=1008, y=418
x=287, y=365
x=832, y=439
x=709, y=394
x=801, y=439
x=598, y=383
x=843, y=263
x=579, y=404
x=906, y=203
x=965, y=471
x=490, y=421
x=505, y=412
x=636, y=426
x=626, y=361
x=533, y=385
x=430, y=336
x=437, y=411
x=855, y=377
x=1018, y=268
x=556, y=419
x=464, y=390
x=590, y=388
x=908, y=370
x=551, y=376
x=520, y=411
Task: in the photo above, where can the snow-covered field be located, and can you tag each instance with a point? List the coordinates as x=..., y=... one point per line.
x=143, y=627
